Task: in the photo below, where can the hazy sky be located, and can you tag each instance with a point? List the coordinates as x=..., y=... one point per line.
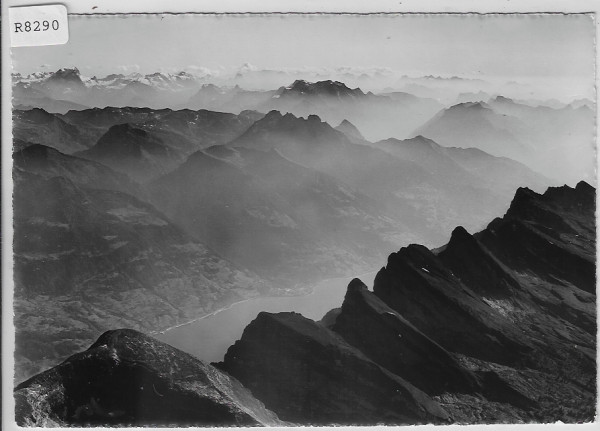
x=491, y=45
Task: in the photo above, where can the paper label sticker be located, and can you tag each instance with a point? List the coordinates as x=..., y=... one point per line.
x=38, y=25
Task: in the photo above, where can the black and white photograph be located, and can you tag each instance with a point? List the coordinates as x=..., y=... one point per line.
x=305, y=219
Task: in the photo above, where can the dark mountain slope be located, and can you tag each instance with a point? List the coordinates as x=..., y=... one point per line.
x=40, y=127
x=133, y=151
x=109, y=116
x=202, y=128
x=129, y=379
x=48, y=162
x=520, y=293
x=95, y=122
x=308, y=374
x=415, y=283
x=366, y=322
x=182, y=130
x=539, y=235
x=388, y=339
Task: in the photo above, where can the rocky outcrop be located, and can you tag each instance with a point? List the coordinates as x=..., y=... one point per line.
x=128, y=379
x=308, y=374
x=416, y=284
x=513, y=303
x=388, y=339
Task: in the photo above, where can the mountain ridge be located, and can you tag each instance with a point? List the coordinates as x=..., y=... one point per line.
x=485, y=337
x=142, y=382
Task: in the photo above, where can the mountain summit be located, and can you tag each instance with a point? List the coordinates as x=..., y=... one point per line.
x=129, y=379
x=67, y=77
x=350, y=130
x=321, y=88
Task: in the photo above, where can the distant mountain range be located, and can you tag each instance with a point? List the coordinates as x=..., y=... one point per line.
x=554, y=138
x=556, y=142
x=496, y=327
x=66, y=89
x=182, y=131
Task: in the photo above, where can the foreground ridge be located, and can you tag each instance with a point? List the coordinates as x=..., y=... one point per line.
x=129, y=379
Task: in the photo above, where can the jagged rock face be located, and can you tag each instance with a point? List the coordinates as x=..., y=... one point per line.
x=476, y=267
x=367, y=323
x=128, y=379
x=308, y=374
x=552, y=235
x=417, y=285
x=521, y=293
x=388, y=339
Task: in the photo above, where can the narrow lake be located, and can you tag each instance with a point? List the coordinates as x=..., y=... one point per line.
x=209, y=337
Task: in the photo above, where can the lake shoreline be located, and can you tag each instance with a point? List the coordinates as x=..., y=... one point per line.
x=312, y=286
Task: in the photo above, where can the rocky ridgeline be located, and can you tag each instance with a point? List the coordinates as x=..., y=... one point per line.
x=127, y=378
x=493, y=327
